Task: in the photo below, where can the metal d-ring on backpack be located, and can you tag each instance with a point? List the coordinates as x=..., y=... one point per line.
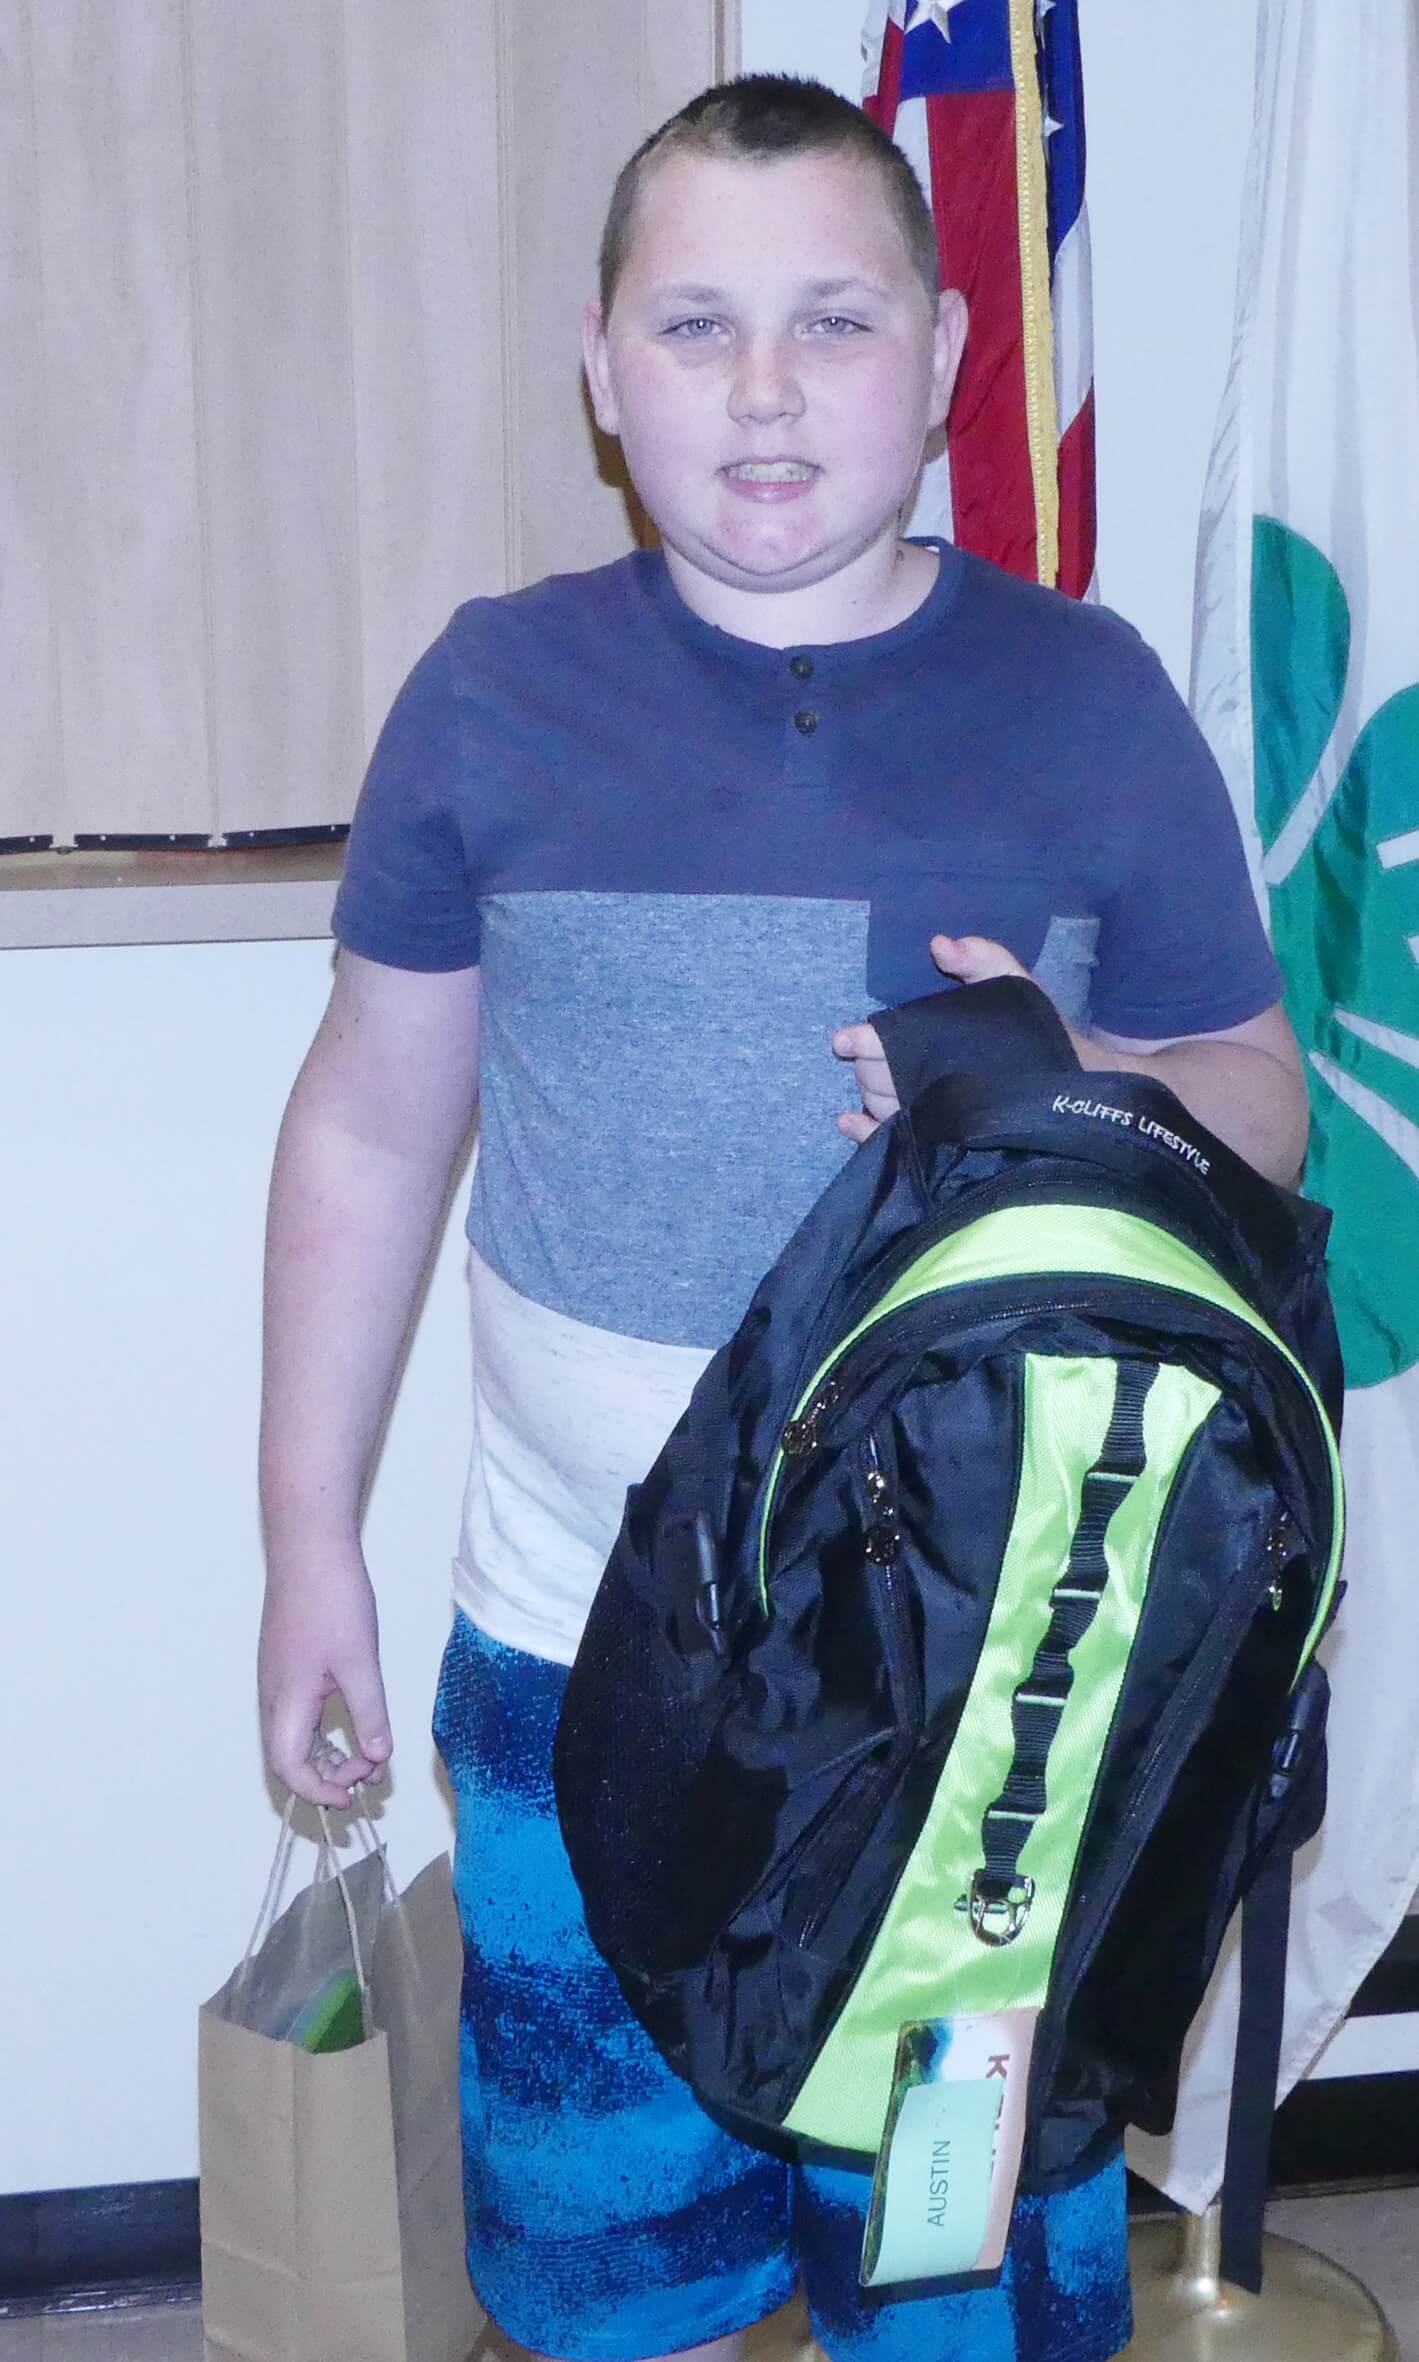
x=956, y=1657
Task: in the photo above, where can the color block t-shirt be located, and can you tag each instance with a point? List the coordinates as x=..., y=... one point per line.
x=681, y=860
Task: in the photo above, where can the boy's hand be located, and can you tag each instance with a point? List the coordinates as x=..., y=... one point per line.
x=1245, y=1082
x=970, y=959
x=320, y=1639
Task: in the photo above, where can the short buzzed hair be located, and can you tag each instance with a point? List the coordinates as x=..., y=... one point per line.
x=761, y=117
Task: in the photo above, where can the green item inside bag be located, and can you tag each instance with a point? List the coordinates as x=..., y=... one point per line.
x=334, y=2019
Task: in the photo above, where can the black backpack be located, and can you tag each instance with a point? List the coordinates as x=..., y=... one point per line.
x=957, y=1653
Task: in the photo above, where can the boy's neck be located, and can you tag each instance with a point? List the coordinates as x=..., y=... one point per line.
x=876, y=592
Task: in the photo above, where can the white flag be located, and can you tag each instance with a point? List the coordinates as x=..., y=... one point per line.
x=1306, y=683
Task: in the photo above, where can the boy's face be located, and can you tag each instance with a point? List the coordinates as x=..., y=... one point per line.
x=772, y=365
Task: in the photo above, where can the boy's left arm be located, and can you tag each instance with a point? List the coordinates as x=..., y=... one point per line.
x=1244, y=1082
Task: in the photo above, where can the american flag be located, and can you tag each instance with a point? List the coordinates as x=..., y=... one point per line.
x=986, y=98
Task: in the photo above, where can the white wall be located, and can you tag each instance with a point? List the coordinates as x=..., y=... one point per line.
x=142, y=1090
x=818, y=37
x=1168, y=102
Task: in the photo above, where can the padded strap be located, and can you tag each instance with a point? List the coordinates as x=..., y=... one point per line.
x=1128, y=1124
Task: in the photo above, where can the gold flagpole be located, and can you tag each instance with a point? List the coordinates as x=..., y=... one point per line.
x=1037, y=318
x=1309, y=2310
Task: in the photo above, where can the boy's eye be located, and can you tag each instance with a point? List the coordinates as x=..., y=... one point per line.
x=838, y=324
x=691, y=331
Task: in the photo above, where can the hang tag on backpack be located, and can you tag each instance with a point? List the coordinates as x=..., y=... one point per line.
x=944, y=2189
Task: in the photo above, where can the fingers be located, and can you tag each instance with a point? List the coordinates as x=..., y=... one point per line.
x=363, y=1692
x=314, y=1773
x=298, y=1756
x=314, y=1767
x=325, y=1775
x=970, y=959
x=320, y=1640
x=973, y=959
x=344, y=1773
x=860, y=1043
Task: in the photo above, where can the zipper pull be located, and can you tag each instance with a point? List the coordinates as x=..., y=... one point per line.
x=883, y=1538
x=1278, y=1552
x=800, y=1436
x=709, y=1610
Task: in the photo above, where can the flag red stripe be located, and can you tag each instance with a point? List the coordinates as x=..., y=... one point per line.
x=972, y=148
x=1077, y=522
x=882, y=107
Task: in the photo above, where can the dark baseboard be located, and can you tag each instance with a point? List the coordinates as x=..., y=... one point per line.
x=1342, y=2132
x=1357, y=2132
x=1393, y=1983
x=78, y=2250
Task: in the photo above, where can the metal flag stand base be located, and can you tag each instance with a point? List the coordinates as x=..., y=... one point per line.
x=1309, y=2309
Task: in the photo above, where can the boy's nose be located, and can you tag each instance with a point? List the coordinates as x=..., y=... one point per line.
x=765, y=385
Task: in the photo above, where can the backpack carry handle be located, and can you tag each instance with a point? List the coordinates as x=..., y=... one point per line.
x=968, y=1065
x=1005, y=1027
x=991, y=1066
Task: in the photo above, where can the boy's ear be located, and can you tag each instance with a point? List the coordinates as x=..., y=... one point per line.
x=950, y=343
x=598, y=370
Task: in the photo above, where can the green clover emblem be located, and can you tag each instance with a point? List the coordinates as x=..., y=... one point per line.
x=1345, y=924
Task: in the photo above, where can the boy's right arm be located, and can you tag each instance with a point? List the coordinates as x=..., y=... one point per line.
x=379, y=1112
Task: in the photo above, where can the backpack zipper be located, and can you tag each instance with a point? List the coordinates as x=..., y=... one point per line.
x=832, y=1384
x=990, y=1197
x=881, y=1541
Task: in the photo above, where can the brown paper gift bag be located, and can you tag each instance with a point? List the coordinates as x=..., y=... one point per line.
x=331, y=2180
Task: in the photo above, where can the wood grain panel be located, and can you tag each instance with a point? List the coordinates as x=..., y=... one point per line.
x=572, y=109
x=289, y=300
x=425, y=283
x=268, y=116
x=125, y=543
x=31, y=766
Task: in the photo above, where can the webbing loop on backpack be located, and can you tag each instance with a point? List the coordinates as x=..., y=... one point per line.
x=998, y=1900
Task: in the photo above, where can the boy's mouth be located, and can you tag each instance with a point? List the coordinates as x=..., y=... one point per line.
x=770, y=480
x=771, y=471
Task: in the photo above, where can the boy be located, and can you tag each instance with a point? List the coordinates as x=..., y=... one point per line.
x=633, y=849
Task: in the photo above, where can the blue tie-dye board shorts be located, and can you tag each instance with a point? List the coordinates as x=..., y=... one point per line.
x=608, y=2217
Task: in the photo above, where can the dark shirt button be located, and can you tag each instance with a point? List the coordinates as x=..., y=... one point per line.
x=805, y=720
x=801, y=667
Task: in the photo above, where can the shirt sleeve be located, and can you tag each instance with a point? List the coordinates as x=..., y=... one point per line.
x=406, y=897
x=1182, y=949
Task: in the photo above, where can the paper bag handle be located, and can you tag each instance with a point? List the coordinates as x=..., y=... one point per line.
x=328, y=1856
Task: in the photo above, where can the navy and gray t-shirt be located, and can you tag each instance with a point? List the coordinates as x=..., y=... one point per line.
x=681, y=860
